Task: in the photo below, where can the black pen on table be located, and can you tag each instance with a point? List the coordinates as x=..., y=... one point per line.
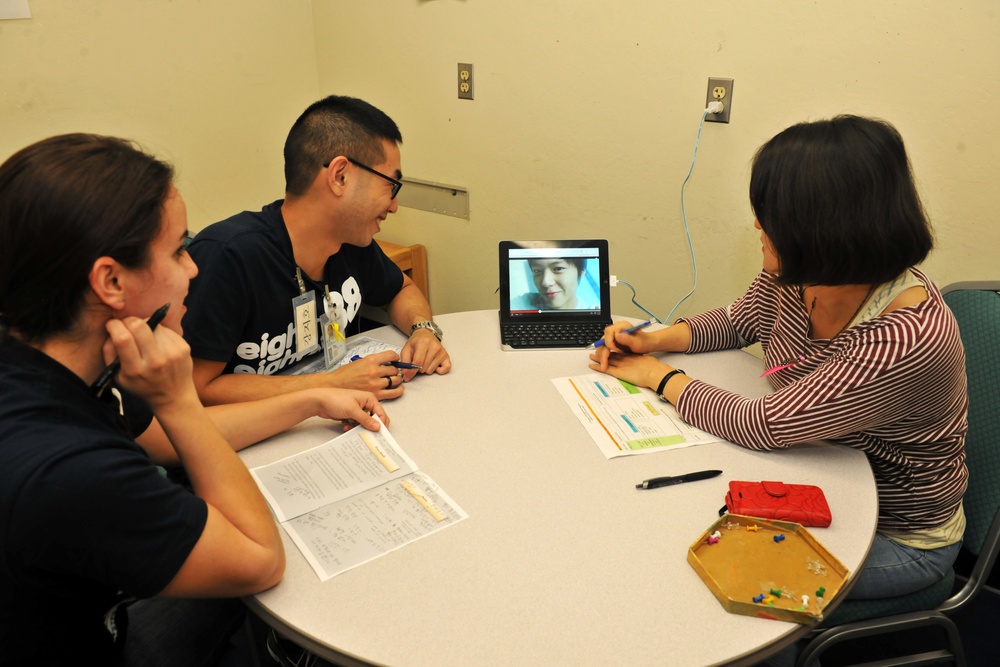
x=394, y=364
x=630, y=330
x=657, y=482
x=104, y=379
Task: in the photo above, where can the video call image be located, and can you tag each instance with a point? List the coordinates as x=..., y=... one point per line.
x=567, y=282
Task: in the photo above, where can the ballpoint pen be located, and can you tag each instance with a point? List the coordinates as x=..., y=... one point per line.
x=404, y=365
x=630, y=330
x=657, y=482
x=104, y=379
x=394, y=364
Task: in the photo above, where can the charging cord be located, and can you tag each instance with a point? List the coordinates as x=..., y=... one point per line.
x=615, y=282
x=713, y=108
x=687, y=230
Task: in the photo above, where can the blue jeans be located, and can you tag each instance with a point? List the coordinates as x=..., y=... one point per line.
x=893, y=569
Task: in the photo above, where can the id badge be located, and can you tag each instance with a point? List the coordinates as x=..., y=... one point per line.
x=334, y=342
x=306, y=333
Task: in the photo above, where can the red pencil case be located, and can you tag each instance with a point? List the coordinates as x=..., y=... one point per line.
x=801, y=503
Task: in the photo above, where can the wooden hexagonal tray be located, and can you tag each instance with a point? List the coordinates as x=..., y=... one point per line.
x=759, y=567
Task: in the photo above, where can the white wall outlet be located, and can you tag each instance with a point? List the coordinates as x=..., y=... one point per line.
x=720, y=90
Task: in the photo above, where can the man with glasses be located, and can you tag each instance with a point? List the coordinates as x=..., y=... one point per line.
x=273, y=283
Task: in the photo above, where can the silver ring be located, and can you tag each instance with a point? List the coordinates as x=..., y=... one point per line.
x=388, y=381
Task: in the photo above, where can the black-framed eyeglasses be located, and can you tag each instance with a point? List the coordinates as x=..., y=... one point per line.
x=396, y=185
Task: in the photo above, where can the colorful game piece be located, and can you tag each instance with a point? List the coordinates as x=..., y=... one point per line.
x=758, y=598
x=778, y=538
x=820, y=592
x=753, y=528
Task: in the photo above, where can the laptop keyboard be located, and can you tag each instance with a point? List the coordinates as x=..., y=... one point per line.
x=565, y=334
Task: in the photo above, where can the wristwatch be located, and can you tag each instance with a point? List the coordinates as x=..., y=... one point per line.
x=427, y=324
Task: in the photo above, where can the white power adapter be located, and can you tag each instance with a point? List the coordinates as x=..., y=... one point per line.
x=715, y=107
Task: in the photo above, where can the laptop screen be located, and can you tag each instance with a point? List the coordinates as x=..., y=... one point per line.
x=554, y=279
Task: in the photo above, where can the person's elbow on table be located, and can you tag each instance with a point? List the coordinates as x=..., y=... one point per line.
x=227, y=563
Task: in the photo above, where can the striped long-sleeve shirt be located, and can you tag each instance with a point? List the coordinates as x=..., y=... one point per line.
x=893, y=386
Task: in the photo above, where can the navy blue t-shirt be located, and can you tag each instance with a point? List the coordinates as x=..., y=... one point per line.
x=87, y=519
x=240, y=304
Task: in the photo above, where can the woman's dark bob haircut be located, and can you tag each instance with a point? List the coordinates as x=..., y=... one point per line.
x=837, y=200
x=64, y=202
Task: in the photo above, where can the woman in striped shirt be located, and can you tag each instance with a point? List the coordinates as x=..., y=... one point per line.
x=858, y=344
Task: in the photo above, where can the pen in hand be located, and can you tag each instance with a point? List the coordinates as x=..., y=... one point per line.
x=630, y=330
x=104, y=379
x=403, y=365
x=394, y=364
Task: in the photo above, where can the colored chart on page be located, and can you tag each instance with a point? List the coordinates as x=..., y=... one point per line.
x=624, y=419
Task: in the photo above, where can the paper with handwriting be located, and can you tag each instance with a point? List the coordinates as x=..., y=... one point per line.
x=353, y=499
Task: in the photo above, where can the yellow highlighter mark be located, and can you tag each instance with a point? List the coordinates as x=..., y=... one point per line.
x=422, y=499
x=377, y=452
x=652, y=410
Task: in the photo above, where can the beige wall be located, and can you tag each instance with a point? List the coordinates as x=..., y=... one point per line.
x=211, y=86
x=586, y=113
x=583, y=124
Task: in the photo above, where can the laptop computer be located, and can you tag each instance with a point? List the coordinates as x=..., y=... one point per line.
x=553, y=294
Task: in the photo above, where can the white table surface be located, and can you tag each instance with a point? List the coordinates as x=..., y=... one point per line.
x=561, y=561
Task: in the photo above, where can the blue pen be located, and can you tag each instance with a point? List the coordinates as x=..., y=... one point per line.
x=630, y=330
x=395, y=364
x=403, y=365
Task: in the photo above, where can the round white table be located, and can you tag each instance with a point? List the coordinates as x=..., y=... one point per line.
x=561, y=561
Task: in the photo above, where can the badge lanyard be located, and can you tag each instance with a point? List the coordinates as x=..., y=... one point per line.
x=304, y=312
x=306, y=341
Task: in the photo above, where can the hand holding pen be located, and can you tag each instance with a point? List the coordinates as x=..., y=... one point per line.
x=374, y=372
x=630, y=330
x=395, y=364
x=108, y=374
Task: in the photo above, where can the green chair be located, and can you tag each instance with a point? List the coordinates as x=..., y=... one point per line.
x=977, y=308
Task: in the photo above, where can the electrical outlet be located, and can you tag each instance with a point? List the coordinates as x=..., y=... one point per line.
x=466, y=90
x=720, y=90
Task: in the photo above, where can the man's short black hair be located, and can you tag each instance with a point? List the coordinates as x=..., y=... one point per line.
x=331, y=127
x=837, y=200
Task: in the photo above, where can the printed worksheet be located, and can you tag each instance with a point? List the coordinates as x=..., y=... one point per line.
x=353, y=499
x=624, y=419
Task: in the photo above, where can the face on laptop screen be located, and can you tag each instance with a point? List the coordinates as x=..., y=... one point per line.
x=553, y=280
